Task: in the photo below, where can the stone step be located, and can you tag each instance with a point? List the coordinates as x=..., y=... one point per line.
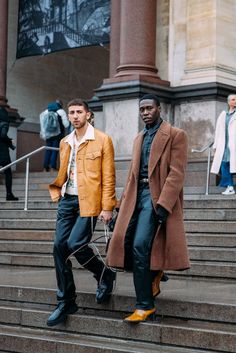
x=45, y=247
x=210, y=300
x=213, y=269
x=213, y=254
x=26, y=234
x=207, y=239
x=198, y=178
x=194, y=239
x=30, y=214
x=211, y=202
x=40, y=194
x=193, y=214
x=191, y=190
x=199, y=268
x=34, y=224
x=22, y=224
x=208, y=214
x=41, y=341
x=33, y=180
x=24, y=246
x=32, y=193
x=38, y=235
x=216, y=202
x=190, y=202
x=190, y=334
x=20, y=186
x=220, y=227
x=21, y=175
x=32, y=205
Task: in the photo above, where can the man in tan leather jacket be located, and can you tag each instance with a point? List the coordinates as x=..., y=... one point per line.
x=85, y=189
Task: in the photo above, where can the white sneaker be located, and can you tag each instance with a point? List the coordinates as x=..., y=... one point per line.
x=229, y=191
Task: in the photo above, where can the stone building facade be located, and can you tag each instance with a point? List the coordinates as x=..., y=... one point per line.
x=182, y=50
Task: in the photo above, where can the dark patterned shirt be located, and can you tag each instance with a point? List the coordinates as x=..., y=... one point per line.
x=149, y=134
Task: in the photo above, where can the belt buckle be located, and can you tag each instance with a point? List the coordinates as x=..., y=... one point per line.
x=144, y=180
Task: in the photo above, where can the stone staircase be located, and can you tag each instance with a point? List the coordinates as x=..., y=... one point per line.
x=196, y=311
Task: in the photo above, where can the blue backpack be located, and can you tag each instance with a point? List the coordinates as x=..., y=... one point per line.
x=49, y=124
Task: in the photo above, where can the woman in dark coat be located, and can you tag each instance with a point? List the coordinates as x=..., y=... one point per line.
x=5, y=144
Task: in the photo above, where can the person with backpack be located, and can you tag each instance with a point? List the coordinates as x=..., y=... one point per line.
x=53, y=122
x=5, y=144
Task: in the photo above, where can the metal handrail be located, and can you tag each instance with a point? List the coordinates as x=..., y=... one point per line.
x=27, y=157
x=203, y=149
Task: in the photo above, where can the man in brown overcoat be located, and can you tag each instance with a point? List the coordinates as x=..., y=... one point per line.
x=149, y=233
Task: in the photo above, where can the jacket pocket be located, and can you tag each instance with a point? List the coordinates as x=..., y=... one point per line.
x=93, y=161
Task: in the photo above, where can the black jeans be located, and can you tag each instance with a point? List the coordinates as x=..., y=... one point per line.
x=8, y=177
x=72, y=233
x=138, y=243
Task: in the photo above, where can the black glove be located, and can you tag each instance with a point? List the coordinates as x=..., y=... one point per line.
x=161, y=214
x=112, y=222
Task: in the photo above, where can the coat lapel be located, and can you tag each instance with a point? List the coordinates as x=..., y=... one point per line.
x=158, y=145
x=137, y=154
x=233, y=118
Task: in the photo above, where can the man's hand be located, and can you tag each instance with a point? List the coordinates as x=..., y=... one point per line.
x=105, y=216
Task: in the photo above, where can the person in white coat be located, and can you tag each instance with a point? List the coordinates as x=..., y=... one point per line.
x=225, y=146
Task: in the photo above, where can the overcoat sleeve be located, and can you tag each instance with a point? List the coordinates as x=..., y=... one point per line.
x=175, y=179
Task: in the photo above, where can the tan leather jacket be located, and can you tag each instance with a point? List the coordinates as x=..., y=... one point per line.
x=95, y=174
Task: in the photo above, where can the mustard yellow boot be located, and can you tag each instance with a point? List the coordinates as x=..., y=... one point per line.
x=156, y=284
x=139, y=316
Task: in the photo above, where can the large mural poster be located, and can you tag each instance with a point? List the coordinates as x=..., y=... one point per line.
x=46, y=26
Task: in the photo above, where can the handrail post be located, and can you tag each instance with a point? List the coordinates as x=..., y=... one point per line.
x=26, y=184
x=208, y=171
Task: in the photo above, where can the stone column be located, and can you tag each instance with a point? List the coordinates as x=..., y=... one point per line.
x=3, y=50
x=138, y=38
x=15, y=119
x=114, y=37
x=211, y=57
x=133, y=71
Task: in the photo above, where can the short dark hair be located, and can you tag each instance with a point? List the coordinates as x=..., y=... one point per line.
x=152, y=97
x=78, y=101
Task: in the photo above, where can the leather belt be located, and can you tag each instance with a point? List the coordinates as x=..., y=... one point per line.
x=144, y=181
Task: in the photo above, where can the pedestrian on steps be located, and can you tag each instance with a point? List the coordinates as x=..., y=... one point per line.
x=85, y=190
x=53, y=122
x=5, y=144
x=224, y=160
x=149, y=235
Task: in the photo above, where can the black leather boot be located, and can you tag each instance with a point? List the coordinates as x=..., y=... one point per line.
x=61, y=312
x=105, y=286
x=11, y=197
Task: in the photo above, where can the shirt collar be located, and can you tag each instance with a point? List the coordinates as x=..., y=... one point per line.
x=152, y=129
x=89, y=135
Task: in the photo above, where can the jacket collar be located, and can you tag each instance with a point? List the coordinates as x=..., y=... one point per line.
x=89, y=135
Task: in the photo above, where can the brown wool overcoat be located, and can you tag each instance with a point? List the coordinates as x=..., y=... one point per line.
x=166, y=170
